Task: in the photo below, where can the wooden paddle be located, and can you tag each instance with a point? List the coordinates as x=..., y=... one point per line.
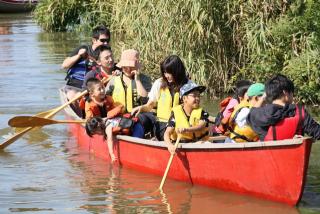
x=46, y=114
x=31, y=121
x=169, y=163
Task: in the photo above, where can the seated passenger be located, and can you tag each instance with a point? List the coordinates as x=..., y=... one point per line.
x=98, y=104
x=240, y=131
x=131, y=87
x=105, y=68
x=227, y=107
x=187, y=119
x=281, y=119
x=103, y=126
x=164, y=95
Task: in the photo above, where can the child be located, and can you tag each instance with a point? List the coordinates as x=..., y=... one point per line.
x=98, y=104
x=281, y=119
x=102, y=126
x=188, y=119
x=227, y=107
x=103, y=106
x=240, y=131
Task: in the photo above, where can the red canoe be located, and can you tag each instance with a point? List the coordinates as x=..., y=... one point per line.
x=17, y=6
x=272, y=170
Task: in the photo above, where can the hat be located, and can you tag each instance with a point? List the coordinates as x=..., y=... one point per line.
x=191, y=86
x=129, y=58
x=256, y=89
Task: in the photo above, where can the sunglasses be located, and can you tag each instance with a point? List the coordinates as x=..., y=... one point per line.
x=104, y=40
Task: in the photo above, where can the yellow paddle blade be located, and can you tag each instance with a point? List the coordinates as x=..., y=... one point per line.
x=32, y=121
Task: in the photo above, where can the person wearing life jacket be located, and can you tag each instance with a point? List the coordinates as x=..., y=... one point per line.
x=100, y=105
x=131, y=87
x=80, y=61
x=227, y=106
x=240, y=131
x=164, y=95
x=105, y=66
x=281, y=118
x=188, y=119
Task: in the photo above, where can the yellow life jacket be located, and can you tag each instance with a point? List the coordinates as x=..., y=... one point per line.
x=125, y=97
x=245, y=133
x=165, y=104
x=181, y=121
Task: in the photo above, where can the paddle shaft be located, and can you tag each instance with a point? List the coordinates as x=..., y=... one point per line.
x=49, y=114
x=169, y=163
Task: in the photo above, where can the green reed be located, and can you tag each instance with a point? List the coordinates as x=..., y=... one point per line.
x=219, y=41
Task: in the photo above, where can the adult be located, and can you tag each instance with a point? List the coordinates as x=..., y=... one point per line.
x=79, y=61
x=131, y=87
x=105, y=66
x=281, y=118
x=163, y=95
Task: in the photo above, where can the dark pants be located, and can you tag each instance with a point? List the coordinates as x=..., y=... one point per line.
x=151, y=125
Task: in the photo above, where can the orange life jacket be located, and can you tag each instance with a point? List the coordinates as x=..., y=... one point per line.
x=108, y=109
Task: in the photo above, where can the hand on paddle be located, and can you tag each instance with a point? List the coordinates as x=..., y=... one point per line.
x=172, y=149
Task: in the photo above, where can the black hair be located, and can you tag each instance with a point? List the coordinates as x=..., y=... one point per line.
x=241, y=88
x=92, y=81
x=93, y=124
x=102, y=48
x=97, y=31
x=277, y=85
x=174, y=66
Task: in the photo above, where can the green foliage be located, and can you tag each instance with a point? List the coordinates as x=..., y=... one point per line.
x=219, y=41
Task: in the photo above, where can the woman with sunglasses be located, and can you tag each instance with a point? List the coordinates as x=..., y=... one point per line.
x=163, y=95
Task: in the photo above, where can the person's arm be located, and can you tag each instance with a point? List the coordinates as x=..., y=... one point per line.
x=142, y=92
x=167, y=140
x=202, y=124
x=311, y=127
x=71, y=60
x=143, y=108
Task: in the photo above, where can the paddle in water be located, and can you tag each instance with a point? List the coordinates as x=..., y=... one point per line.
x=169, y=163
x=46, y=114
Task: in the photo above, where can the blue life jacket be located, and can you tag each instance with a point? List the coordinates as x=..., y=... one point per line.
x=77, y=71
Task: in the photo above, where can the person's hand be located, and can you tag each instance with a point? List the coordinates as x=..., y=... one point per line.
x=136, y=74
x=171, y=149
x=181, y=130
x=135, y=111
x=82, y=52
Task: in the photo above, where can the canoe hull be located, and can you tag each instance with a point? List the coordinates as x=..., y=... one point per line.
x=274, y=173
x=271, y=170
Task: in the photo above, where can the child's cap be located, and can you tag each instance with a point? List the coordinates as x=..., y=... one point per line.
x=191, y=86
x=256, y=89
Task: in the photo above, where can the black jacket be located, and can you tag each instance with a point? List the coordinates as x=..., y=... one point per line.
x=260, y=119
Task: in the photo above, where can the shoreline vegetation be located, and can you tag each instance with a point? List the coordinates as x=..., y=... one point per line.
x=219, y=41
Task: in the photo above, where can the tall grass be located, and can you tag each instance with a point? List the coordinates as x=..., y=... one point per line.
x=219, y=41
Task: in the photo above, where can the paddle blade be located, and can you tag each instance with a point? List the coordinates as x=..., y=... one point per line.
x=29, y=121
x=13, y=138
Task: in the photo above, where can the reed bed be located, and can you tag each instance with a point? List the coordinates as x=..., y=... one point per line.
x=219, y=41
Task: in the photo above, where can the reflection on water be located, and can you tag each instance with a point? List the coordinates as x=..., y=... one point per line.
x=45, y=172
x=121, y=190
